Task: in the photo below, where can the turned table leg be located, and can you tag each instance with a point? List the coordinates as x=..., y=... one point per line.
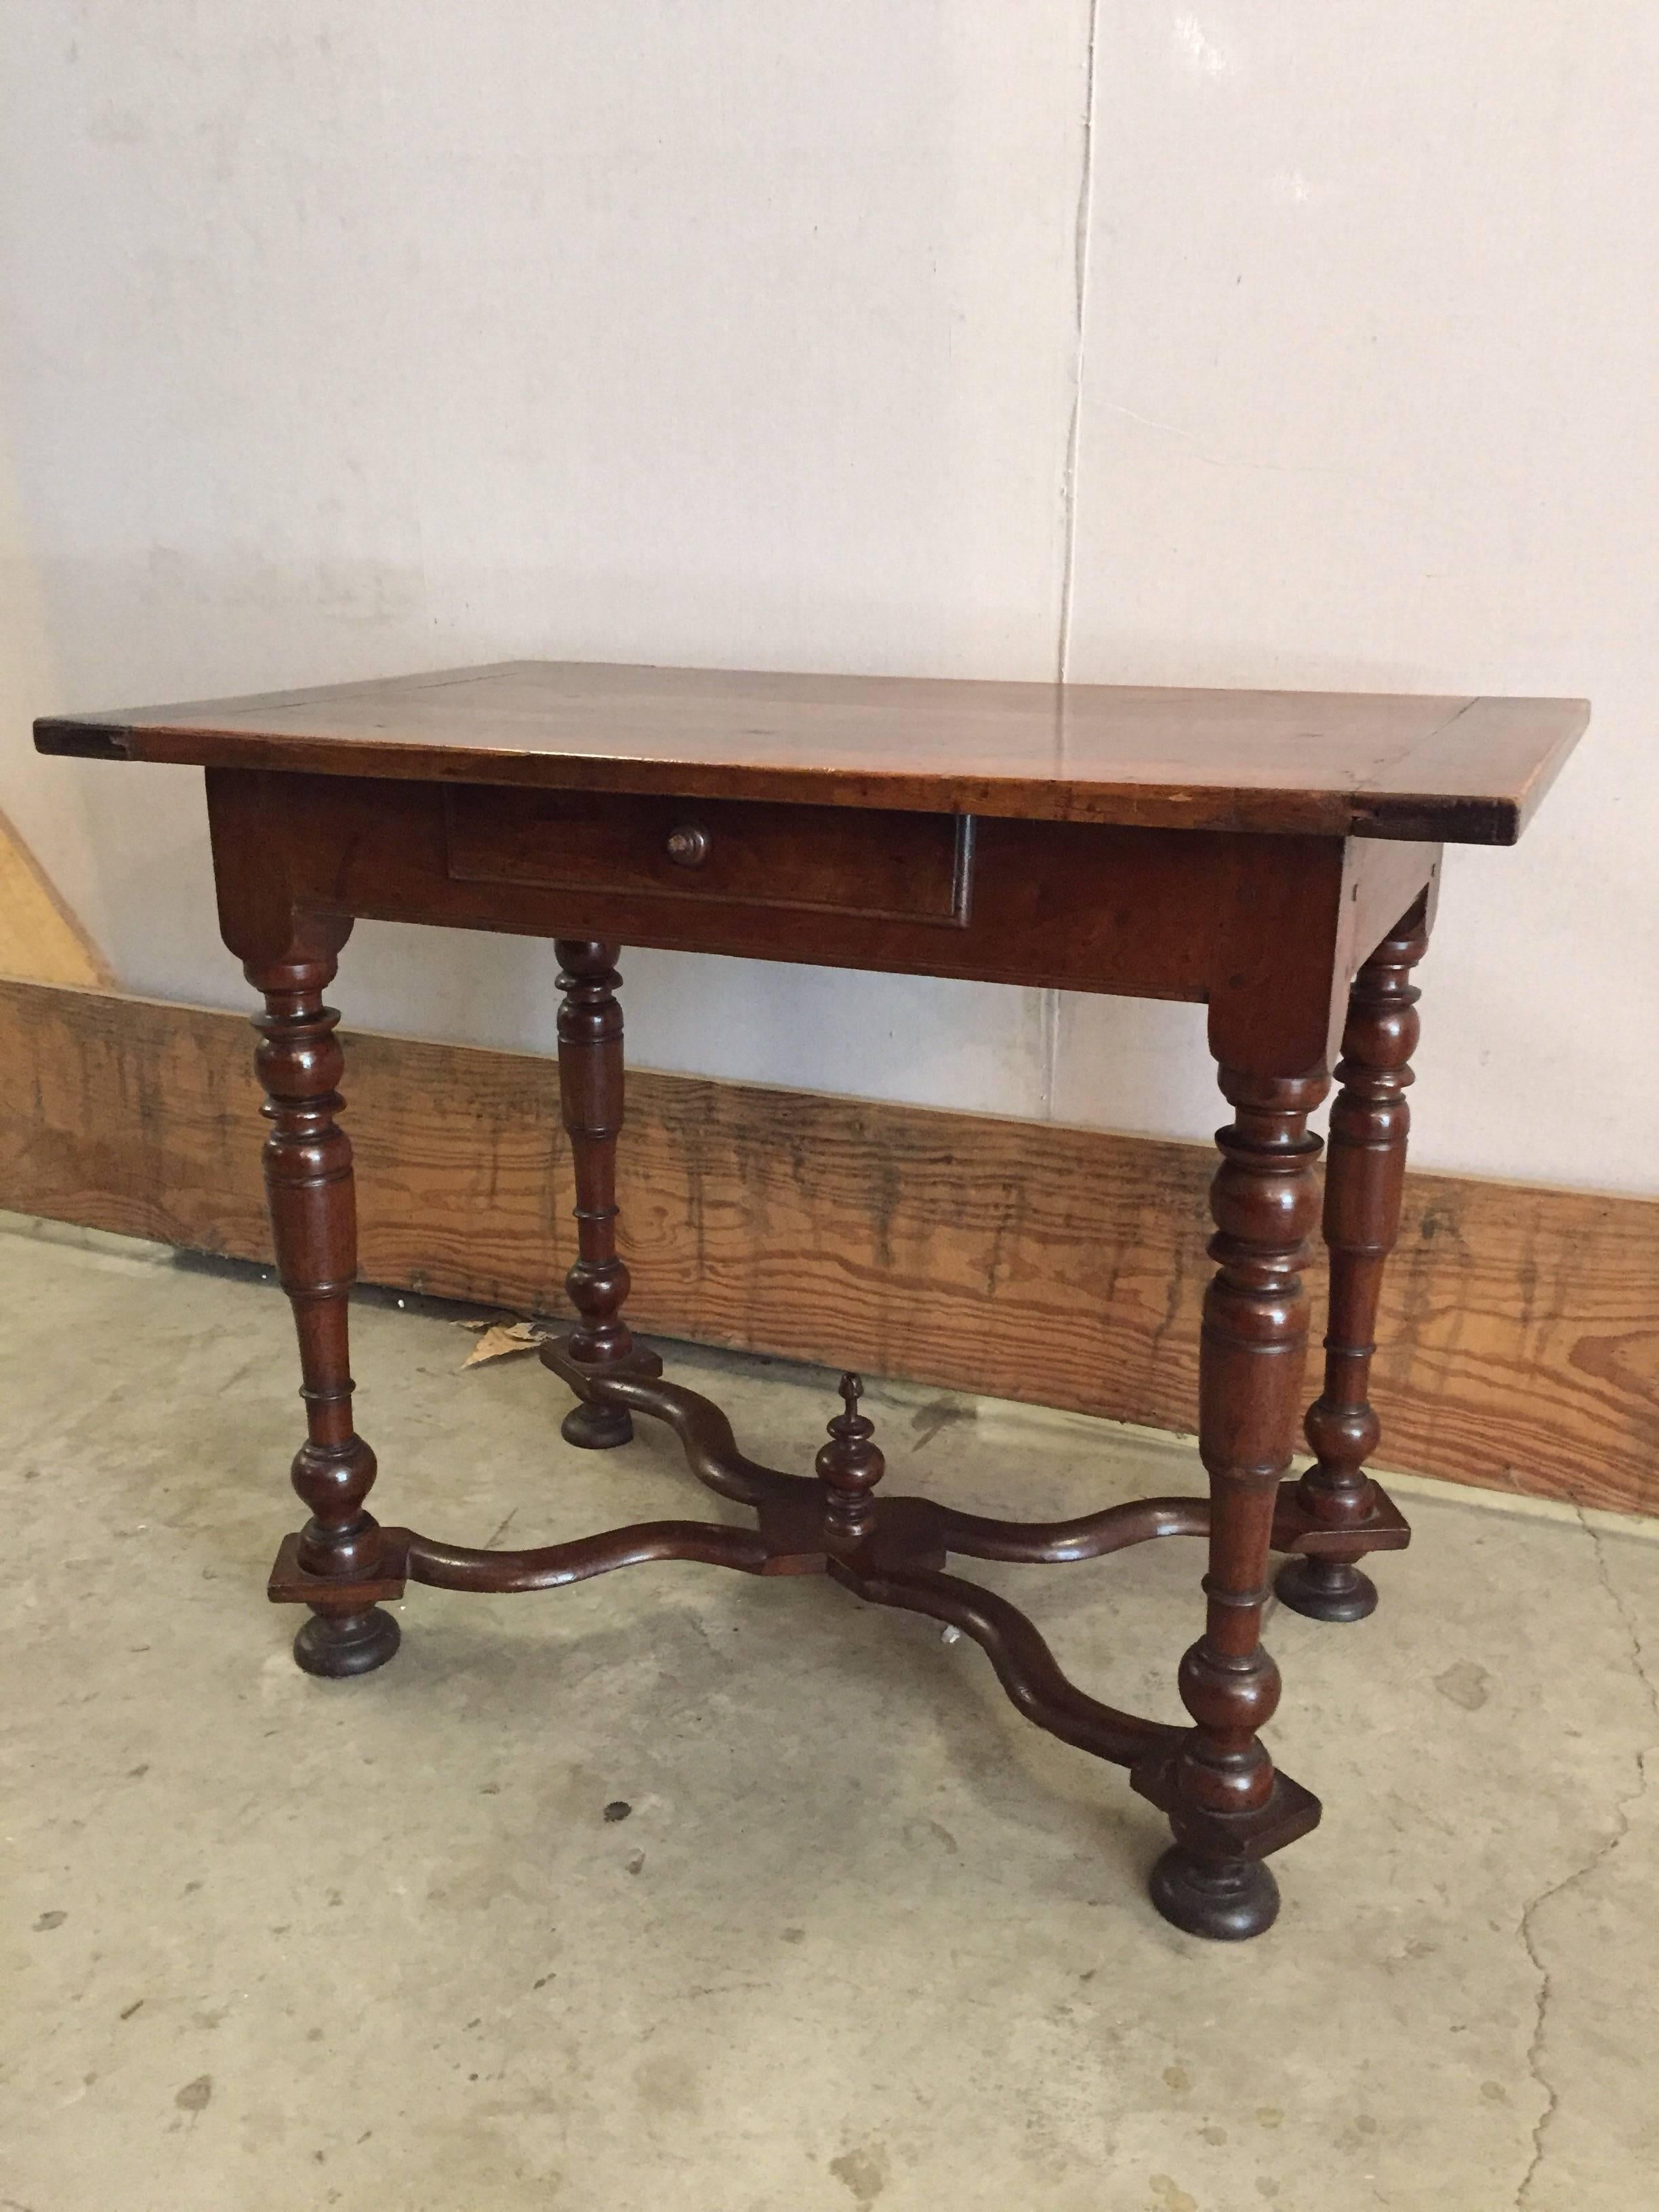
x=313, y=1221
x=590, y=1093
x=1265, y=1201
x=1364, y=1172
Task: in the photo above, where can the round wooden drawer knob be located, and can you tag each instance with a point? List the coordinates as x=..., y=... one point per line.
x=688, y=848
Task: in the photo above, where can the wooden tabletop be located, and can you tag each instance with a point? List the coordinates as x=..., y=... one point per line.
x=1322, y=763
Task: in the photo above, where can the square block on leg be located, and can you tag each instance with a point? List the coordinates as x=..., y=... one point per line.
x=292, y=1584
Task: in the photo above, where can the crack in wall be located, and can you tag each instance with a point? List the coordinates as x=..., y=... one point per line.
x=1603, y=1852
x=1048, y=1016
x=1079, y=339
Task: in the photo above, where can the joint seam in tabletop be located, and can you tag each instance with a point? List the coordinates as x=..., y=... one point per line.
x=1384, y=767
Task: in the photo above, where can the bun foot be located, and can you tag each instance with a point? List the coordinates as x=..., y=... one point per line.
x=597, y=1428
x=1228, y=1902
x=336, y=1645
x=1326, y=1589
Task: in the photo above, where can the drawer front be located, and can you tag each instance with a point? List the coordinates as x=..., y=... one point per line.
x=848, y=861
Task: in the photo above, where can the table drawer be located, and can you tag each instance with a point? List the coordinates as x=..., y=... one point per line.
x=870, y=861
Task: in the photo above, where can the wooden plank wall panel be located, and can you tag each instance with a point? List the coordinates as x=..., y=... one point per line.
x=1520, y=1328
x=142, y=1117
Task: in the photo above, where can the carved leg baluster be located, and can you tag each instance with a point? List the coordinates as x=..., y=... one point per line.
x=313, y=1220
x=591, y=1091
x=1227, y=1806
x=1364, y=1175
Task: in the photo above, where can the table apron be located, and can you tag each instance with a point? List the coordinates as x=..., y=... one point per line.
x=1266, y=929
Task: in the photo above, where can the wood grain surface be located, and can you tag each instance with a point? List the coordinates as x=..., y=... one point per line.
x=1520, y=1326
x=1312, y=763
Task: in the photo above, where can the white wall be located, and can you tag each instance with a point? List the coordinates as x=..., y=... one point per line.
x=1307, y=345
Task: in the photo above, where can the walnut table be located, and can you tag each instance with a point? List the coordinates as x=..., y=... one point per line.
x=1274, y=855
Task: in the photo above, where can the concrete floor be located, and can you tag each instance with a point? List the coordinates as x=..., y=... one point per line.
x=865, y=1939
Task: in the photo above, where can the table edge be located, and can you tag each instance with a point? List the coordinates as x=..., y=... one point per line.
x=1388, y=808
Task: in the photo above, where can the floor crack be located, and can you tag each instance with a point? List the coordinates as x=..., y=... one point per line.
x=1604, y=1850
